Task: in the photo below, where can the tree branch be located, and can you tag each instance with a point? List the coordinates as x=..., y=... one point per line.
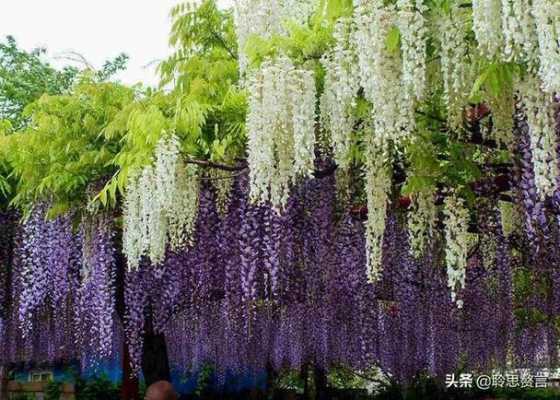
x=242, y=165
x=225, y=167
x=220, y=39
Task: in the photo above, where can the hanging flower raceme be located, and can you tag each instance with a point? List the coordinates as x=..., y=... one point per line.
x=301, y=276
x=340, y=91
x=454, y=66
x=487, y=27
x=95, y=308
x=414, y=36
x=35, y=280
x=152, y=215
x=7, y=232
x=183, y=211
x=222, y=181
x=160, y=205
x=133, y=232
x=46, y=254
x=265, y=18
x=540, y=118
x=422, y=221
x=254, y=17
x=378, y=187
x=510, y=218
x=526, y=185
x=456, y=239
x=547, y=20
x=280, y=129
x=135, y=297
x=43, y=278
x=381, y=74
x=519, y=32
x=489, y=230
x=503, y=109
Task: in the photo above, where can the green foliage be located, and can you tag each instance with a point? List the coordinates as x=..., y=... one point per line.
x=204, y=380
x=53, y=391
x=290, y=380
x=425, y=168
x=206, y=131
x=24, y=77
x=62, y=151
x=436, y=159
x=84, y=131
x=210, y=107
x=527, y=284
x=330, y=10
x=112, y=67
x=344, y=378
x=23, y=397
x=202, y=34
x=205, y=107
x=393, y=40
x=34, y=95
x=493, y=79
x=96, y=132
x=100, y=388
x=301, y=43
x=528, y=394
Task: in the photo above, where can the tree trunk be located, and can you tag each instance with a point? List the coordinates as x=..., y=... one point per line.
x=3, y=382
x=129, y=389
x=305, y=377
x=320, y=378
x=270, y=381
x=155, y=362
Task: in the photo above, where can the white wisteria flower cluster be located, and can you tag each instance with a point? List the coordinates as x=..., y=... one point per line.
x=487, y=26
x=255, y=17
x=222, y=181
x=547, y=20
x=454, y=65
x=510, y=218
x=422, y=220
x=540, y=118
x=160, y=205
x=340, y=91
x=457, y=244
x=381, y=72
x=183, y=214
x=414, y=36
x=488, y=247
x=377, y=188
x=280, y=130
x=503, y=109
x=266, y=18
x=519, y=31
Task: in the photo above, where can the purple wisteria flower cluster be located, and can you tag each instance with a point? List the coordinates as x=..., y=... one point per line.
x=260, y=290
x=60, y=295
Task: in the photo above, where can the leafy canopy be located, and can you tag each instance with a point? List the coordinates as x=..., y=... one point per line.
x=96, y=132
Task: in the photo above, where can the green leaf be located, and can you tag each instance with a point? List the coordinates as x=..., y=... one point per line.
x=475, y=91
x=393, y=39
x=103, y=197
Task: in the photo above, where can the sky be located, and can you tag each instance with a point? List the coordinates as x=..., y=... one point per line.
x=98, y=30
